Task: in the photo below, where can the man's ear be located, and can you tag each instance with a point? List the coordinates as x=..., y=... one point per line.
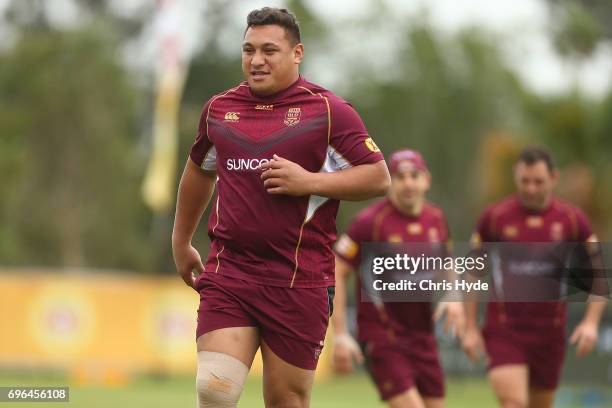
x=298, y=53
x=554, y=176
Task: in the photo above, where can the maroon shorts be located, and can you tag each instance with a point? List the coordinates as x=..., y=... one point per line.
x=542, y=350
x=398, y=364
x=292, y=321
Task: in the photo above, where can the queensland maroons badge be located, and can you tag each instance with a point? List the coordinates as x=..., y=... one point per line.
x=292, y=117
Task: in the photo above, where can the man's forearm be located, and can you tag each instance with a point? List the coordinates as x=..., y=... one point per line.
x=353, y=184
x=194, y=193
x=594, y=310
x=339, y=316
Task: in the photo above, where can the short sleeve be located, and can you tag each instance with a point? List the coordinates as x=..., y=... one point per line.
x=584, y=230
x=482, y=233
x=348, y=246
x=203, y=152
x=349, y=137
x=446, y=236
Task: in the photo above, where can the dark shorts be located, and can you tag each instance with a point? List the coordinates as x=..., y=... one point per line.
x=543, y=351
x=400, y=364
x=292, y=321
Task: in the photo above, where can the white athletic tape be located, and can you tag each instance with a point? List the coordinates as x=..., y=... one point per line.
x=220, y=380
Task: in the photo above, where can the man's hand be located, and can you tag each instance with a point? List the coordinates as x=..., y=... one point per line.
x=282, y=176
x=584, y=337
x=454, y=324
x=187, y=259
x=473, y=345
x=345, y=349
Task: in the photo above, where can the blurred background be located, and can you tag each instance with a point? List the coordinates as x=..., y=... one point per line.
x=100, y=102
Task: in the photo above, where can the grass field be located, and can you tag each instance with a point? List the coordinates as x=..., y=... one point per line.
x=348, y=392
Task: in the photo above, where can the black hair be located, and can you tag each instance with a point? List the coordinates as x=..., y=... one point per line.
x=276, y=16
x=533, y=154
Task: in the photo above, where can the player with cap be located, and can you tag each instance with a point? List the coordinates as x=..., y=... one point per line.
x=397, y=337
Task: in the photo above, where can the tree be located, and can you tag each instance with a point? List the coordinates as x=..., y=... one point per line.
x=69, y=119
x=444, y=96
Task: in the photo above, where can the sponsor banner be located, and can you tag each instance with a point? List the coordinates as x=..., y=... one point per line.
x=97, y=325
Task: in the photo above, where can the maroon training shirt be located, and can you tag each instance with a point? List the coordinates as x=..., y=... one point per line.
x=509, y=221
x=382, y=222
x=276, y=240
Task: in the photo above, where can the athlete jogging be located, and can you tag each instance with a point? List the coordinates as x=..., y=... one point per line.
x=281, y=152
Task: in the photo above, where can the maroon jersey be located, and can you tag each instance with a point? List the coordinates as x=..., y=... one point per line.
x=383, y=222
x=276, y=240
x=509, y=221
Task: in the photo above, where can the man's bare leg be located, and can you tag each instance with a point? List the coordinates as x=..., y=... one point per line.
x=433, y=402
x=510, y=384
x=285, y=385
x=541, y=398
x=408, y=399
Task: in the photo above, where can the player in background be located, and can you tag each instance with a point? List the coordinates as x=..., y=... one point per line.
x=281, y=152
x=525, y=341
x=398, y=338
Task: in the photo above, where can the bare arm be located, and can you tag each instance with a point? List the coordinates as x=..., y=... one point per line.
x=595, y=310
x=473, y=344
x=353, y=184
x=451, y=307
x=194, y=193
x=343, y=271
x=282, y=176
x=586, y=333
x=345, y=347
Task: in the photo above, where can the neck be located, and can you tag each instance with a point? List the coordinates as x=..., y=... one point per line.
x=541, y=207
x=286, y=85
x=413, y=210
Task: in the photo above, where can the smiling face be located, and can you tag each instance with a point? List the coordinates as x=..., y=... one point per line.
x=408, y=189
x=270, y=63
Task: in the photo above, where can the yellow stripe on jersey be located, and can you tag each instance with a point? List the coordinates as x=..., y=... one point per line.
x=476, y=240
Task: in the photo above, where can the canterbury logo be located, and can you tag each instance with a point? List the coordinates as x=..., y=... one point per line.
x=232, y=117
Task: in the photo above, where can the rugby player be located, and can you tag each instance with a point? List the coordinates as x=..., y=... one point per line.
x=397, y=337
x=525, y=341
x=281, y=151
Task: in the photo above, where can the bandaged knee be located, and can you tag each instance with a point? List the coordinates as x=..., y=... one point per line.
x=220, y=380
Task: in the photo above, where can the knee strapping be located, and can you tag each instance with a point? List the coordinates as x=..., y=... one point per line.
x=220, y=380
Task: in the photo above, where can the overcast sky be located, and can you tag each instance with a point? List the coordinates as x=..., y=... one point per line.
x=523, y=24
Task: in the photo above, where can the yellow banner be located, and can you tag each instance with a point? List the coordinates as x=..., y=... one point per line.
x=100, y=322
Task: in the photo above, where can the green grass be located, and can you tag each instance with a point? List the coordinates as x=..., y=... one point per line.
x=177, y=392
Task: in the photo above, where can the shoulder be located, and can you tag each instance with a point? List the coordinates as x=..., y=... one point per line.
x=489, y=218
x=502, y=207
x=371, y=212
x=362, y=226
x=569, y=209
x=240, y=90
x=579, y=222
x=565, y=206
x=434, y=211
x=336, y=103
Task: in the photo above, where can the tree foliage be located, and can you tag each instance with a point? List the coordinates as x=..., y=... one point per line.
x=72, y=154
x=68, y=119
